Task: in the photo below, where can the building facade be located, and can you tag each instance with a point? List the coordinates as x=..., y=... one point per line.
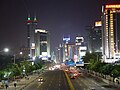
x=38, y=40
x=31, y=26
x=42, y=44
x=94, y=37
x=111, y=31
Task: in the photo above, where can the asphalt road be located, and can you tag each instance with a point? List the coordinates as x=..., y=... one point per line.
x=54, y=80
x=86, y=82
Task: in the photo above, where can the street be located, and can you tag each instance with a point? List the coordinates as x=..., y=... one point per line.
x=54, y=80
x=87, y=82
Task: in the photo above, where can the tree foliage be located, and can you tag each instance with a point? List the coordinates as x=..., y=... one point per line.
x=96, y=65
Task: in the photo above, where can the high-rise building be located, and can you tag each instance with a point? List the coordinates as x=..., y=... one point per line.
x=111, y=31
x=66, y=40
x=80, y=48
x=31, y=26
x=28, y=30
x=25, y=51
x=97, y=37
x=42, y=44
x=94, y=37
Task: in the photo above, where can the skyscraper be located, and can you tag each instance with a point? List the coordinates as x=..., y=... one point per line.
x=111, y=31
x=31, y=26
x=42, y=44
x=94, y=37
x=28, y=30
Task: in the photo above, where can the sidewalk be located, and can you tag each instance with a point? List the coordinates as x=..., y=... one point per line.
x=22, y=83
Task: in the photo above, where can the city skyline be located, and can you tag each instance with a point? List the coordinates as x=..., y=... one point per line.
x=60, y=18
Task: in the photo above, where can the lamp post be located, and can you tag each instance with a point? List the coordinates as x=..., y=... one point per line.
x=5, y=50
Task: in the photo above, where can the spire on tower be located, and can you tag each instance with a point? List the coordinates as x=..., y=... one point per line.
x=35, y=19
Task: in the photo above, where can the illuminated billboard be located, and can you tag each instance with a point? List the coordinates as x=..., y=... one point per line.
x=80, y=63
x=112, y=6
x=66, y=39
x=33, y=46
x=98, y=24
x=40, y=30
x=83, y=48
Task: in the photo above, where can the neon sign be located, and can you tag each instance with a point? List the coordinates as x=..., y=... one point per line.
x=112, y=6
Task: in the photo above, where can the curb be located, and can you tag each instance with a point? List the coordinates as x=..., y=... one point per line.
x=69, y=82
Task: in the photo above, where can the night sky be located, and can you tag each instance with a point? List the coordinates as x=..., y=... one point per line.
x=59, y=17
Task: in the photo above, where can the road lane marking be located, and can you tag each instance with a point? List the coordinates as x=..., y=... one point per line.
x=69, y=81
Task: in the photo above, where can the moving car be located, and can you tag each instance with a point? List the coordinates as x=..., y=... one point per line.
x=41, y=79
x=74, y=75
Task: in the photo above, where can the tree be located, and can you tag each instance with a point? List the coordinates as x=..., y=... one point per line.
x=89, y=56
x=116, y=71
x=14, y=69
x=97, y=66
x=107, y=69
x=1, y=75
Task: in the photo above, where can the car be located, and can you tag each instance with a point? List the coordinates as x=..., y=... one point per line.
x=73, y=75
x=41, y=79
x=117, y=80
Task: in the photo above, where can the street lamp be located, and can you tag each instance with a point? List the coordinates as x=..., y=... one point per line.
x=5, y=50
x=15, y=56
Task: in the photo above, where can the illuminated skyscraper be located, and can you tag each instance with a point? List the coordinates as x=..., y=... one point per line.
x=28, y=30
x=66, y=40
x=42, y=44
x=111, y=31
x=31, y=26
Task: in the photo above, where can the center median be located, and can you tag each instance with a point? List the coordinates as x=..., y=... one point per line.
x=69, y=81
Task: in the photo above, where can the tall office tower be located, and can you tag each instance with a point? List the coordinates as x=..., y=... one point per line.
x=28, y=32
x=94, y=37
x=80, y=48
x=59, y=53
x=66, y=41
x=97, y=37
x=111, y=31
x=31, y=26
x=42, y=44
x=89, y=30
x=34, y=26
